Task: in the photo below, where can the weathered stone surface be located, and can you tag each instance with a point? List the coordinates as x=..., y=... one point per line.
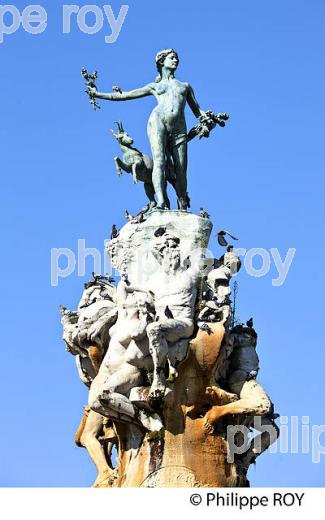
x=182, y=454
x=131, y=252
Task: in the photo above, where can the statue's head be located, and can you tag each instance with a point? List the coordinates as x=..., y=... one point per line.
x=168, y=59
x=169, y=251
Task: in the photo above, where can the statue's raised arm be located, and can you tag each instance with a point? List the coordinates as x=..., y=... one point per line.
x=122, y=96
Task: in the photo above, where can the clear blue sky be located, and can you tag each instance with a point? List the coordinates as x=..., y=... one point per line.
x=261, y=178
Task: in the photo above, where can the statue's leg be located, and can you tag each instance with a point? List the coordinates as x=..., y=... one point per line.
x=179, y=153
x=159, y=333
x=150, y=192
x=269, y=434
x=252, y=400
x=135, y=173
x=89, y=439
x=157, y=134
x=81, y=427
x=95, y=389
x=158, y=348
x=166, y=198
x=113, y=396
x=107, y=392
x=120, y=166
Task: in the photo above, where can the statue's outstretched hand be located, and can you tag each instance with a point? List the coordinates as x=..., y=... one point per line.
x=204, y=116
x=92, y=91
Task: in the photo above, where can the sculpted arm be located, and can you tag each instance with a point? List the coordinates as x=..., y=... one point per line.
x=193, y=104
x=136, y=288
x=107, y=320
x=147, y=90
x=123, y=289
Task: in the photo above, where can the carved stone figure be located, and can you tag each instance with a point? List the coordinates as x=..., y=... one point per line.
x=174, y=288
x=85, y=333
x=215, y=304
x=97, y=435
x=166, y=126
x=242, y=370
x=121, y=369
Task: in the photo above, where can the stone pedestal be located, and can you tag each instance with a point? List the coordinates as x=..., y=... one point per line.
x=169, y=374
x=131, y=252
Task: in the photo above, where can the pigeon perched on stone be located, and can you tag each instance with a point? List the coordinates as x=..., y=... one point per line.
x=128, y=216
x=250, y=323
x=203, y=213
x=252, y=375
x=150, y=308
x=168, y=313
x=205, y=327
x=160, y=232
x=139, y=218
x=221, y=237
x=125, y=279
x=62, y=309
x=114, y=232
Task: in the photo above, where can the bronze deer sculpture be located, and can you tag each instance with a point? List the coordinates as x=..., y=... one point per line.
x=140, y=165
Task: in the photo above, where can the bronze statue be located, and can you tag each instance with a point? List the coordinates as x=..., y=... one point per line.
x=166, y=125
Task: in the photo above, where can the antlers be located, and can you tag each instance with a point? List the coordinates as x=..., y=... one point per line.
x=119, y=127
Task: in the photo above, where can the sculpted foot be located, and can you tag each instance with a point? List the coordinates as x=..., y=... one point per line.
x=182, y=203
x=103, y=479
x=161, y=206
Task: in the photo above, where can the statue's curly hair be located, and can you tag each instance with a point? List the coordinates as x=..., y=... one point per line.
x=160, y=58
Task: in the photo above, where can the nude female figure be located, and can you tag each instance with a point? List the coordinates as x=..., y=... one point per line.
x=166, y=125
